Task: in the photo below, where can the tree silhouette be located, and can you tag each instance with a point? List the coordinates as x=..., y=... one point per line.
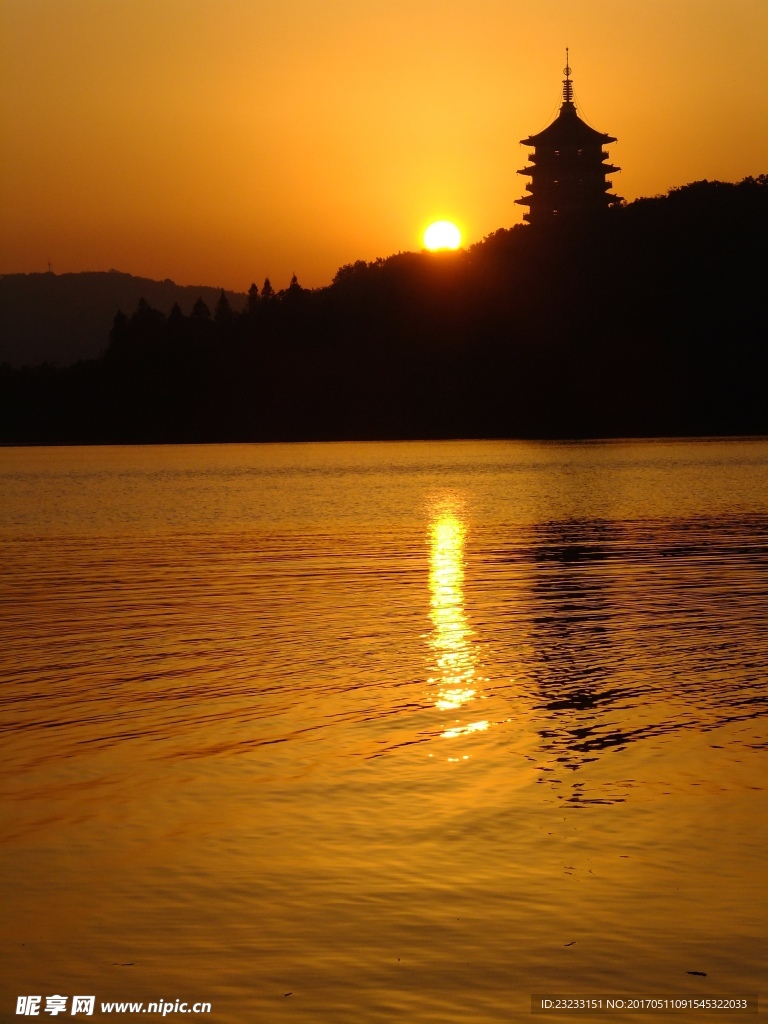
x=118, y=336
x=223, y=315
x=252, y=304
x=175, y=319
x=200, y=311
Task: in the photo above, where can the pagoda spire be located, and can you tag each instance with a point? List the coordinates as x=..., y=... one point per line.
x=567, y=83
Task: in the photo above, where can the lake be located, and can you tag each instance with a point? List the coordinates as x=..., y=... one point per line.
x=384, y=732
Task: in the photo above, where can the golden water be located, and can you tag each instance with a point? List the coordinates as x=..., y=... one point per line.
x=409, y=731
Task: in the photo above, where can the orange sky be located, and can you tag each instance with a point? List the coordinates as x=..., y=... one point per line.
x=220, y=141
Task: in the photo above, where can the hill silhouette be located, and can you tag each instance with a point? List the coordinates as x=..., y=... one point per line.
x=61, y=318
x=648, y=321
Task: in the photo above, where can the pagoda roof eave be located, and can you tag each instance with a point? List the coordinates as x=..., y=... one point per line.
x=568, y=129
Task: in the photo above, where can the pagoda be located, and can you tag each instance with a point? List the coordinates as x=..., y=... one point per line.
x=568, y=169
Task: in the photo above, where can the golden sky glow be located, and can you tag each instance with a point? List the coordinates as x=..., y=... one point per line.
x=221, y=141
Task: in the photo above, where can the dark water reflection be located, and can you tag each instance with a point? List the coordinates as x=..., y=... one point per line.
x=636, y=630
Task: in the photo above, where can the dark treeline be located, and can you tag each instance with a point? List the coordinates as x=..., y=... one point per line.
x=63, y=318
x=651, y=321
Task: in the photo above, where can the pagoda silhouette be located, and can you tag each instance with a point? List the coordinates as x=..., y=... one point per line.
x=568, y=170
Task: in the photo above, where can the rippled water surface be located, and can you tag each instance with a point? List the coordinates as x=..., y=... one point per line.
x=408, y=731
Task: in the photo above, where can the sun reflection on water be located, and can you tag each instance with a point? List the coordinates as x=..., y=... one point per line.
x=456, y=677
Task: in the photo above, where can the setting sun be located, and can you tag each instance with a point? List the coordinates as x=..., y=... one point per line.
x=442, y=235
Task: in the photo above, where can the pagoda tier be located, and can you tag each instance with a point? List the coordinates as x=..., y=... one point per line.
x=568, y=169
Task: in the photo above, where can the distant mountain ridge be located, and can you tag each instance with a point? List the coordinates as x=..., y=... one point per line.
x=62, y=318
